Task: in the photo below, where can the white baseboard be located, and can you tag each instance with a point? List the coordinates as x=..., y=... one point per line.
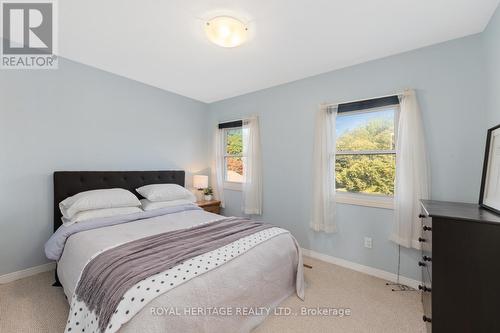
x=27, y=272
x=361, y=268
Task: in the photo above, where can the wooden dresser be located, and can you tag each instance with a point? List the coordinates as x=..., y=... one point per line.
x=460, y=267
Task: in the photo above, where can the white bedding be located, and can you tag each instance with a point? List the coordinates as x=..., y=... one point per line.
x=262, y=277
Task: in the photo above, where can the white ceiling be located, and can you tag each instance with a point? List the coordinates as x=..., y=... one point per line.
x=162, y=43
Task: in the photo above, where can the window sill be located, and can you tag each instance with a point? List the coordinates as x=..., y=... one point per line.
x=377, y=201
x=233, y=186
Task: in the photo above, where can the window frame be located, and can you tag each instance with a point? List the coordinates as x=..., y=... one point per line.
x=230, y=185
x=366, y=199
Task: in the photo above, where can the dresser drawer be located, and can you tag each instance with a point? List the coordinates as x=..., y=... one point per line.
x=427, y=302
x=426, y=293
x=426, y=263
x=426, y=273
x=426, y=238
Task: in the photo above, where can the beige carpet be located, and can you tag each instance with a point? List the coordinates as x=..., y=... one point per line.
x=32, y=305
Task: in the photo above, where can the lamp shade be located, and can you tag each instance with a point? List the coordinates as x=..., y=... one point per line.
x=200, y=181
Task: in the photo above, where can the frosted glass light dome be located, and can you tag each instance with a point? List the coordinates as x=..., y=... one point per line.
x=226, y=31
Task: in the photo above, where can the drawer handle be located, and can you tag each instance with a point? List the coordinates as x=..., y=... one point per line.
x=422, y=264
x=427, y=319
x=424, y=288
x=422, y=216
x=421, y=240
x=426, y=228
x=426, y=258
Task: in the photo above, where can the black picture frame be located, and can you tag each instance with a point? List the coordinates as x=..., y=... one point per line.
x=485, y=171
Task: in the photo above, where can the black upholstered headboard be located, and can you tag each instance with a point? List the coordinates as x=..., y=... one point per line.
x=68, y=183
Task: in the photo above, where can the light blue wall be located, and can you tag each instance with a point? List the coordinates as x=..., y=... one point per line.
x=450, y=82
x=81, y=118
x=492, y=44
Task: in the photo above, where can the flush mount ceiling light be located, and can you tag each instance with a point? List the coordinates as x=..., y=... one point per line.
x=226, y=31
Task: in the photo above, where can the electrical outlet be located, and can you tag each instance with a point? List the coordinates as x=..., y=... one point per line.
x=368, y=242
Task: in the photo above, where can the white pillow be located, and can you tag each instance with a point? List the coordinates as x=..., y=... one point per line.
x=98, y=199
x=96, y=213
x=165, y=192
x=151, y=205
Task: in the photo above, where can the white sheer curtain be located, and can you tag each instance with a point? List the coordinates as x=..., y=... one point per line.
x=252, y=171
x=218, y=166
x=412, y=173
x=323, y=206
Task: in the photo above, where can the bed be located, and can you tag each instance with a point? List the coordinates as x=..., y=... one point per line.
x=224, y=296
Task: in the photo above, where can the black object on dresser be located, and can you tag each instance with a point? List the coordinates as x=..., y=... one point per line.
x=460, y=267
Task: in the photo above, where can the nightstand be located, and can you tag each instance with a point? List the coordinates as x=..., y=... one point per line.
x=212, y=206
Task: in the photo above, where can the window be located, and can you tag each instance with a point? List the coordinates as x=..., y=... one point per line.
x=365, y=162
x=233, y=157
